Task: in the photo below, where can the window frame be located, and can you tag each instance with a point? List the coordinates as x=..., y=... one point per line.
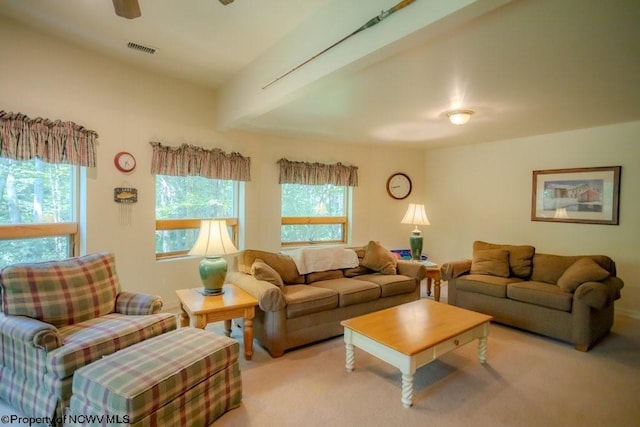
x=342, y=220
x=194, y=223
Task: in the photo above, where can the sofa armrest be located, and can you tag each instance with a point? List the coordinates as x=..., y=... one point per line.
x=599, y=294
x=137, y=304
x=412, y=269
x=269, y=296
x=453, y=269
x=30, y=331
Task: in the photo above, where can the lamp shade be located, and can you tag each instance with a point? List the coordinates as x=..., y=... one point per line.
x=415, y=215
x=213, y=240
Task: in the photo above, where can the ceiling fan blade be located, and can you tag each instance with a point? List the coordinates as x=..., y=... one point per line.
x=129, y=9
x=226, y=2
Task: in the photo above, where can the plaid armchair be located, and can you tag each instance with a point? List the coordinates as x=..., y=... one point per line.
x=58, y=316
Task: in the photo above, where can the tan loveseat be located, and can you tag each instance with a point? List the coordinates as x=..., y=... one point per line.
x=296, y=309
x=569, y=298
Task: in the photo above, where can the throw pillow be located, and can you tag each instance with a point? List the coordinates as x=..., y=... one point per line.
x=380, y=259
x=493, y=262
x=263, y=271
x=583, y=270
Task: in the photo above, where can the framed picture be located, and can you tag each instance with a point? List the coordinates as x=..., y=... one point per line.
x=584, y=195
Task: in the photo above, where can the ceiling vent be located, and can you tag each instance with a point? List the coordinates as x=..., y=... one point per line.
x=139, y=47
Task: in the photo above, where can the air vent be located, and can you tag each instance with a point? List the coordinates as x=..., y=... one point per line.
x=145, y=49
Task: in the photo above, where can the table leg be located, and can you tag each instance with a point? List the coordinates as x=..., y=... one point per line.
x=482, y=349
x=407, y=390
x=429, y=286
x=248, y=333
x=184, y=317
x=227, y=327
x=350, y=354
x=436, y=289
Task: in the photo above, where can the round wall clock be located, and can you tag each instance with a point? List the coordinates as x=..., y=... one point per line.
x=399, y=186
x=124, y=161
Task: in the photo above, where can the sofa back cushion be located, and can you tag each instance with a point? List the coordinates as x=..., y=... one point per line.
x=549, y=268
x=61, y=292
x=520, y=257
x=494, y=262
x=282, y=264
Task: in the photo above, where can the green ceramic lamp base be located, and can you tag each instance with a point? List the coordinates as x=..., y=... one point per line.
x=213, y=271
x=416, y=247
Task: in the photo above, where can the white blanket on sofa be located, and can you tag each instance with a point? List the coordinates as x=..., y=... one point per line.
x=325, y=258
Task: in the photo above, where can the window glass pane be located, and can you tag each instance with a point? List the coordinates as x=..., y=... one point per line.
x=194, y=197
x=313, y=200
x=190, y=197
x=34, y=250
x=312, y=233
x=35, y=192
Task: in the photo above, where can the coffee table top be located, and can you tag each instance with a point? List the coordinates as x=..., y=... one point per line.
x=415, y=326
x=196, y=303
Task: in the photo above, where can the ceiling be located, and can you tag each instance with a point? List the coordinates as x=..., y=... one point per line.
x=526, y=67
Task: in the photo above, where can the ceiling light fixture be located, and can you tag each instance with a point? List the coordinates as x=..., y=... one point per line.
x=459, y=117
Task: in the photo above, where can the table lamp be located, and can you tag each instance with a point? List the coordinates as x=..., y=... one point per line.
x=416, y=216
x=212, y=242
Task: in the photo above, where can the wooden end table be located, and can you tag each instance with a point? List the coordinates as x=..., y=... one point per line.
x=436, y=329
x=433, y=275
x=198, y=310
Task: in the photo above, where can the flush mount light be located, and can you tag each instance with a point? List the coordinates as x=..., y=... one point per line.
x=459, y=117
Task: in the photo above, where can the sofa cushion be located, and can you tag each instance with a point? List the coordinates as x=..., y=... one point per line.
x=494, y=262
x=494, y=286
x=581, y=271
x=520, y=257
x=351, y=291
x=75, y=289
x=391, y=284
x=357, y=271
x=306, y=299
x=283, y=264
x=380, y=259
x=263, y=271
x=540, y=293
x=549, y=268
x=323, y=275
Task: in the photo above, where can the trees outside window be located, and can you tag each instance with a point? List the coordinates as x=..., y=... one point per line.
x=314, y=214
x=37, y=210
x=182, y=202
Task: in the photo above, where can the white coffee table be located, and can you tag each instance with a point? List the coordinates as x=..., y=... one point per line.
x=411, y=335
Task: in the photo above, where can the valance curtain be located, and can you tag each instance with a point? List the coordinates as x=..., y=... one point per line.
x=22, y=138
x=317, y=173
x=190, y=160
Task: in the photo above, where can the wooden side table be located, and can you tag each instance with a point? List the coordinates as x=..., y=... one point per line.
x=433, y=275
x=198, y=310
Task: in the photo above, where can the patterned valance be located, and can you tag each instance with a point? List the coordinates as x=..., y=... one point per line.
x=190, y=160
x=22, y=138
x=317, y=173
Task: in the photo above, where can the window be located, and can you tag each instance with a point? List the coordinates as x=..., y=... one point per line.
x=314, y=214
x=37, y=210
x=182, y=202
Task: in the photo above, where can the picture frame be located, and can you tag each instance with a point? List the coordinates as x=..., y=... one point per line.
x=579, y=195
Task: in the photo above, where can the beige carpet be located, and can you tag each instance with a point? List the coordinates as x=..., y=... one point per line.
x=528, y=381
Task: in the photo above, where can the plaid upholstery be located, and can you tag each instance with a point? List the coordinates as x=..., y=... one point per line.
x=135, y=304
x=185, y=377
x=38, y=359
x=61, y=292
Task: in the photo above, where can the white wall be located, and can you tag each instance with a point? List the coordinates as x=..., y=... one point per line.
x=128, y=107
x=483, y=192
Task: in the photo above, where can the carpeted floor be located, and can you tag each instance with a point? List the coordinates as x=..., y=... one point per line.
x=528, y=381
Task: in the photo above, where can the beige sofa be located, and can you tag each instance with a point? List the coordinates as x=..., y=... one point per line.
x=296, y=309
x=569, y=298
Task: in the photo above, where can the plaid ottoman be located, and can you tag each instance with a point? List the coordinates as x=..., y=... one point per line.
x=184, y=377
